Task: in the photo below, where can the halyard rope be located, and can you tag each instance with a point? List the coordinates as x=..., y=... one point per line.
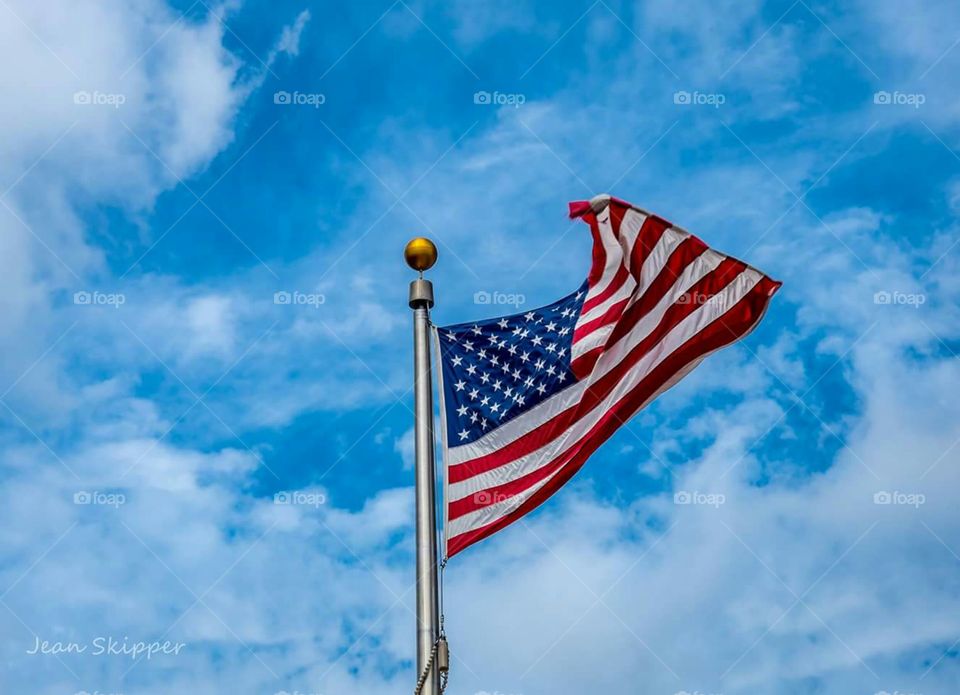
x=426, y=670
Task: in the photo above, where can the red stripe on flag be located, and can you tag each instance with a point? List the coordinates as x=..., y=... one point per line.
x=599, y=252
x=617, y=211
x=651, y=230
x=689, y=250
x=615, y=284
x=611, y=315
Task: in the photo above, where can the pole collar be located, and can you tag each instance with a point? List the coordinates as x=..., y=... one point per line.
x=421, y=294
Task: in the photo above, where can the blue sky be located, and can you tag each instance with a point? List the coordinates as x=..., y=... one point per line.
x=158, y=189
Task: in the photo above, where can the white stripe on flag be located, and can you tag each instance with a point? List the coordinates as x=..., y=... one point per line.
x=612, y=254
x=630, y=227
x=654, y=263
x=493, y=512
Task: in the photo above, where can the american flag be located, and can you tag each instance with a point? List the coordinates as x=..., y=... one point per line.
x=527, y=398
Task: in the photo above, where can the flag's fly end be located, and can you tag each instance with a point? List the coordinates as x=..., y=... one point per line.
x=596, y=204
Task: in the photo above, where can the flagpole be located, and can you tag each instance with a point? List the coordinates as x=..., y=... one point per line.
x=420, y=255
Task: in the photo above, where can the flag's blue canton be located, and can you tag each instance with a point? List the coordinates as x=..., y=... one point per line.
x=496, y=369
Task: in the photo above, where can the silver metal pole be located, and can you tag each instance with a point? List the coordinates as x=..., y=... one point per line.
x=428, y=611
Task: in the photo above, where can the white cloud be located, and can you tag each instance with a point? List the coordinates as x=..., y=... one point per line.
x=210, y=322
x=289, y=42
x=63, y=156
x=478, y=20
x=404, y=445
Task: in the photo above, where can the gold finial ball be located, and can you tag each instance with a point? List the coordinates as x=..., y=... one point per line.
x=420, y=253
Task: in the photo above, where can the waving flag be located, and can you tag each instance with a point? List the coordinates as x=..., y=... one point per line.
x=527, y=398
